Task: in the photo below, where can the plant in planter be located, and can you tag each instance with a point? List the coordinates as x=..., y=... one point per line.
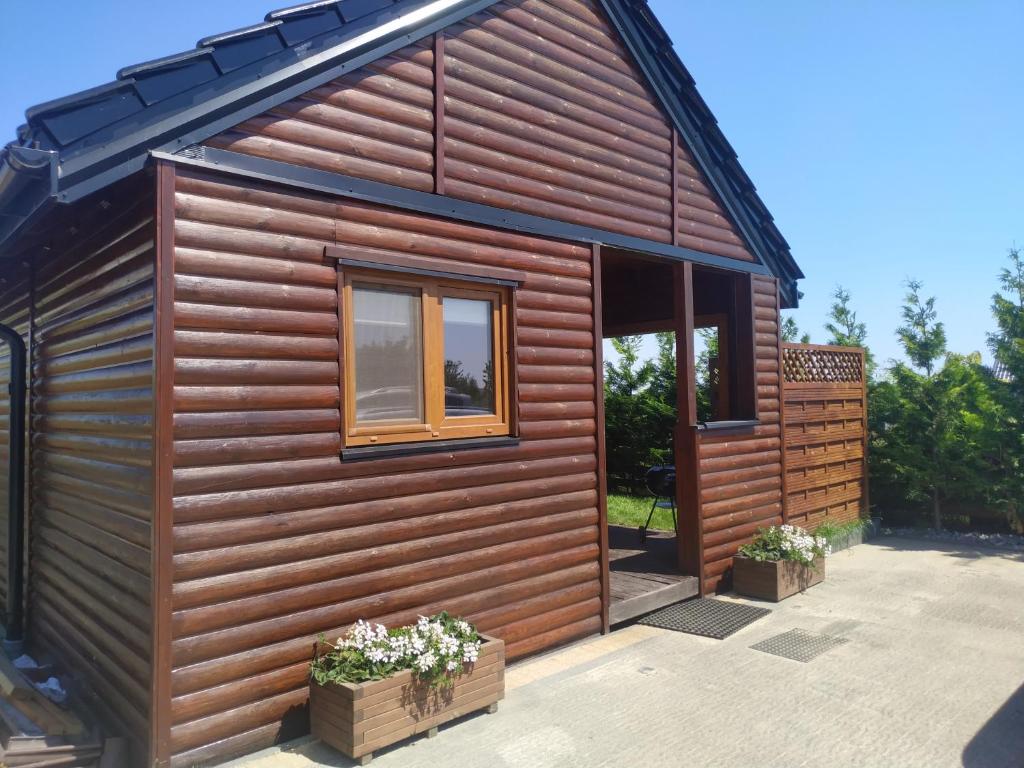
x=779, y=562
x=377, y=686
x=842, y=536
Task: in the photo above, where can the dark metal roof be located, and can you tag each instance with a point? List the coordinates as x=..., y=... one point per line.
x=83, y=142
x=1001, y=372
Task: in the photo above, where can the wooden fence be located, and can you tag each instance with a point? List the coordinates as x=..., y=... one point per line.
x=824, y=420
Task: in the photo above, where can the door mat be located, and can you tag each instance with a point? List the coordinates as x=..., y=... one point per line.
x=706, y=617
x=799, y=644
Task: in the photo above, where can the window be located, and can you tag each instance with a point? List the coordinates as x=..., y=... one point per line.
x=724, y=321
x=425, y=358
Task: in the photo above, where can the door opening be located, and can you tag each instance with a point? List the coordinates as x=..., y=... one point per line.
x=644, y=450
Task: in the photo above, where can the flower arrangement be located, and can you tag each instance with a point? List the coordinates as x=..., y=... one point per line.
x=786, y=542
x=436, y=649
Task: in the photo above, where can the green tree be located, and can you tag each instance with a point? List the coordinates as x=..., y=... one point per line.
x=704, y=375
x=791, y=331
x=1007, y=345
x=663, y=380
x=923, y=337
x=845, y=330
x=638, y=420
x=932, y=426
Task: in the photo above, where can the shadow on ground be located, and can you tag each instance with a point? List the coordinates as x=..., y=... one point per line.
x=1001, y=740
x=968, y=550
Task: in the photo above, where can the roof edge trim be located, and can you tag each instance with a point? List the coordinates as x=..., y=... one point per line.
x=272, y=172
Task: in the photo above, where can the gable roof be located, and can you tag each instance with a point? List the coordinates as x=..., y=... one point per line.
x=78, y=144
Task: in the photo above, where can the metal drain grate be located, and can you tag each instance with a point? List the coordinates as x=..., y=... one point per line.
x=706, y=617
x=799, y=644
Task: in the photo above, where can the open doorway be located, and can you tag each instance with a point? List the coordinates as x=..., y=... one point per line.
x=643, y=452
x=692, y=336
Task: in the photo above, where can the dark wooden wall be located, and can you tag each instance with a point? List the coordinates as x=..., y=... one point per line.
x=825, y=418
x=534, y=106
x=545, y=114
x=89, y=308
x=15, y=300
x=741, y=471
x=276, y=539
x=376, y=123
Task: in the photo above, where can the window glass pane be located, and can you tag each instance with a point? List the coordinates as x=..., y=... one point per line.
x=388, y=353
x=468, y=357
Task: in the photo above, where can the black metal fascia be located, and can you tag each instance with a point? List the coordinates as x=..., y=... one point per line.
x=328, y=182
x=692, y=134
x=200, y=113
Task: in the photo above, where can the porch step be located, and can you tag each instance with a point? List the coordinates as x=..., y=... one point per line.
x=646, y=599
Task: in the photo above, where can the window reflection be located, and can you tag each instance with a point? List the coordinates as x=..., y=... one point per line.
x=468, y=357
x=388, y=353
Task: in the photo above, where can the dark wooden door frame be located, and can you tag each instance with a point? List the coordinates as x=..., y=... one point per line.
x=602, y=463
x=685, y=442
x=689, y=540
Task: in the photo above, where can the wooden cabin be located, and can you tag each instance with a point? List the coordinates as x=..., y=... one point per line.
x=313, y=318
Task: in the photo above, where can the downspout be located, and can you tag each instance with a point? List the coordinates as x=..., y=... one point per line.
x=28, y=183
x=14, y=638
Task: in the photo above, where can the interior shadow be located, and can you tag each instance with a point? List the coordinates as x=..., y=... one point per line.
x=657, y=553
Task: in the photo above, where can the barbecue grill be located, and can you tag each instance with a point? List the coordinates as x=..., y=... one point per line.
x=661, y=482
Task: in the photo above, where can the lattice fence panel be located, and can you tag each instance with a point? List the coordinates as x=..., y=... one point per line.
x=807, y=364
x=825, y=434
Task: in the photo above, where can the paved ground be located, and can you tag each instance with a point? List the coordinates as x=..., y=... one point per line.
x=932, y=675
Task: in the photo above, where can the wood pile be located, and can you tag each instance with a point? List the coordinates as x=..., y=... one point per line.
x=38, y=733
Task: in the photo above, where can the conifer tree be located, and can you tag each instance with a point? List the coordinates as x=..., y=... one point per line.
x=940, y=415
x=1007, y=345
x=791, y=331
x=845, y=330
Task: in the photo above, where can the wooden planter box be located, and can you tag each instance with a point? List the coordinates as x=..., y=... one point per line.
x=359, y=718
x=775, y=580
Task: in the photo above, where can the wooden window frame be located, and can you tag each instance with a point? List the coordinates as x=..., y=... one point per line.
x=433, y=287
x=737, y=343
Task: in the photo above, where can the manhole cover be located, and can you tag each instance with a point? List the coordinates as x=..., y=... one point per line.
x=799, y=644
x=706, y=617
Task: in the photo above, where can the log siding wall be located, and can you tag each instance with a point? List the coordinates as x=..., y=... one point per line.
x=532, y=105
x=741, y=474
x=375, y=123
x=89, y=308
x=276, y=539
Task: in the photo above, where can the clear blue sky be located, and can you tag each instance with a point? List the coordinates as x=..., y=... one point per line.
x=885, y=137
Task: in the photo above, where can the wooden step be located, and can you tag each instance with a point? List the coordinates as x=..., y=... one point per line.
x=643, y=602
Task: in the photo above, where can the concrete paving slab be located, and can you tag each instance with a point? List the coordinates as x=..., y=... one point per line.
x=931, y=675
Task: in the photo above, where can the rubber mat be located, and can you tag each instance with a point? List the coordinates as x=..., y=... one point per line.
x=706, y=617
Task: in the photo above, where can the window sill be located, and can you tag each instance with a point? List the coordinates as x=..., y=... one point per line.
x=728, y=426
x=364, y=452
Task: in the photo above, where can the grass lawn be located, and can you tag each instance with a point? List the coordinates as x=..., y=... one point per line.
x=632, y=511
